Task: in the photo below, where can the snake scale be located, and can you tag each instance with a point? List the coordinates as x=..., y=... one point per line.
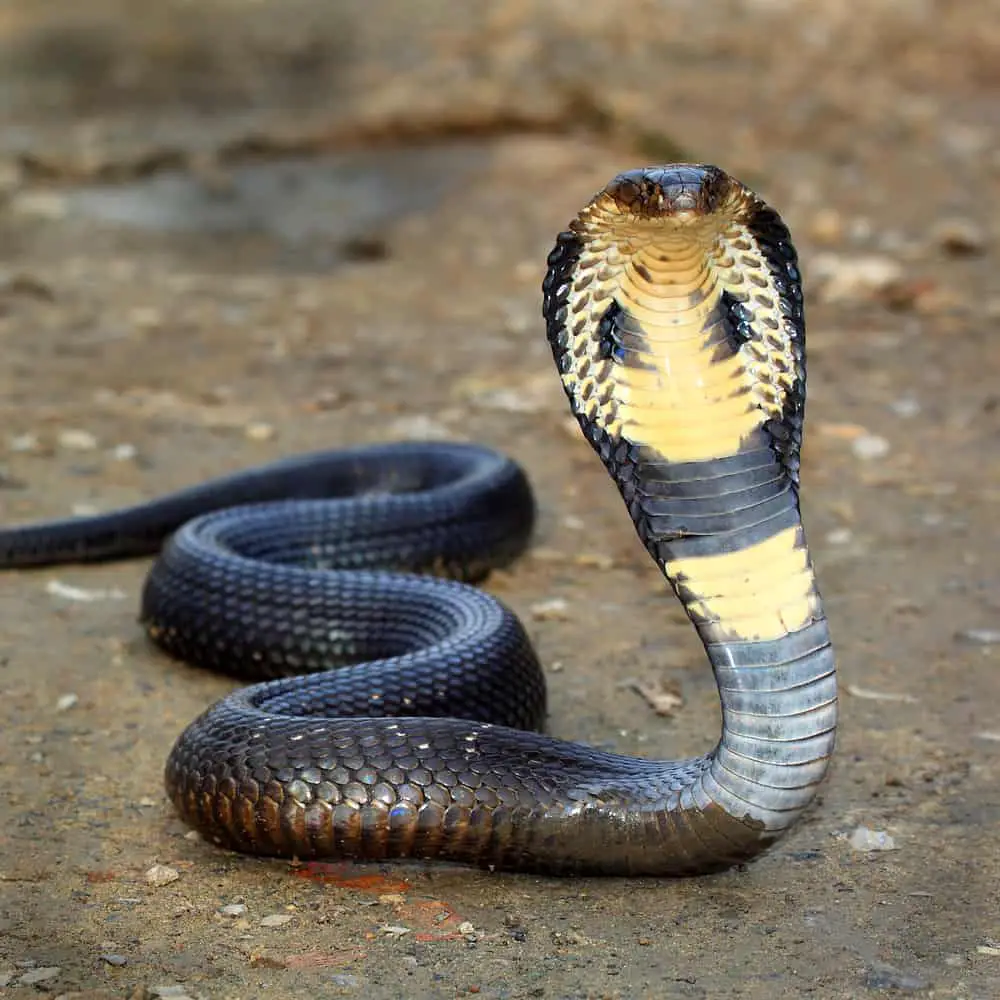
x=673, y=307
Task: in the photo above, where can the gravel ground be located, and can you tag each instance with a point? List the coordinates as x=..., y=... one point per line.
x=270, y=227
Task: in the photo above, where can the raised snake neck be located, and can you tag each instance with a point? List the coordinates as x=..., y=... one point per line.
x=674, y=311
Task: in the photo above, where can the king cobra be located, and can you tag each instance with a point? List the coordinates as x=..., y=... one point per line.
x=673, y=307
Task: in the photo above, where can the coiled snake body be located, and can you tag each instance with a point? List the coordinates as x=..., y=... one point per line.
x=674, y=312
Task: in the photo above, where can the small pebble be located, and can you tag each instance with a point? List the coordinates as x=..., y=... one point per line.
x=173, y=990
x=662, y=695
x=56, y=588
x=344, y=979
x=870, y=446
x=839, y=536
x=233, y=909
x=865, y=839
x=276, y=920
x=259, y=431
x=979, y=636
x=394, y=930
x=66, y=702
x=39, y=204
x=124, y=452
x=555, y=609
x=116, y=960
x=855, y=278
x=466, y=927
x=419, y=427
x=74, y=439
x=146, y=317
x=827, y=226
x=24, y=443
x=884, y=977
x=905, y=407
x=162, y=875
x=39, y=975
x=959, y=237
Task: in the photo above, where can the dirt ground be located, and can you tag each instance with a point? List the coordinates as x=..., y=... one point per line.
x=246, y=230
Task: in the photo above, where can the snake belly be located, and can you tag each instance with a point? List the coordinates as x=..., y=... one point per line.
x=673, y=307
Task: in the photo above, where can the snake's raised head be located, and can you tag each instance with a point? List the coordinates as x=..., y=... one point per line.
x=677, y=191
x=693, y=202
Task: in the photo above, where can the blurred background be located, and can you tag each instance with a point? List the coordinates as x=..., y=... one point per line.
x=237, y=229
x=86, y=85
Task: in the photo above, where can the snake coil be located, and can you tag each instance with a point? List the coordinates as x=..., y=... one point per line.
x=674, y=311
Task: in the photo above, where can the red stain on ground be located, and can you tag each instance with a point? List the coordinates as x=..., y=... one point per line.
x=324, y=959
x=431, y=919
x=428, y=919
x=344, y=877
x=101, y=876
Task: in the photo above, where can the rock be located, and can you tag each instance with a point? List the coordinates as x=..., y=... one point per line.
x=856, y=278
x=959, y=237
x=827, y=226
x=56, y=588
x=40, y=975
x=419, y=427
x=869, y=447
x=124, y=452
x=979, y=636
x=259, y=431
x=554, y=609
x=276, y=920
x=24, y=443
x=233, y=909
x=39, y=204
x=905, y=407
x=663, y=696
x=882, y=976
x=160, y=875
x=866, y=839
x=394, y=930
x=75, y=439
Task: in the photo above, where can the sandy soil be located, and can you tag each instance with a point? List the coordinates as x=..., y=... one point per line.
x=238, y=234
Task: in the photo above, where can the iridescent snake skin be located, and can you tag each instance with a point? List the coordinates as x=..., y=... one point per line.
x=674, y=311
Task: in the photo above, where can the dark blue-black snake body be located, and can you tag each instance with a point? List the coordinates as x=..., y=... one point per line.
x=674, y=311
